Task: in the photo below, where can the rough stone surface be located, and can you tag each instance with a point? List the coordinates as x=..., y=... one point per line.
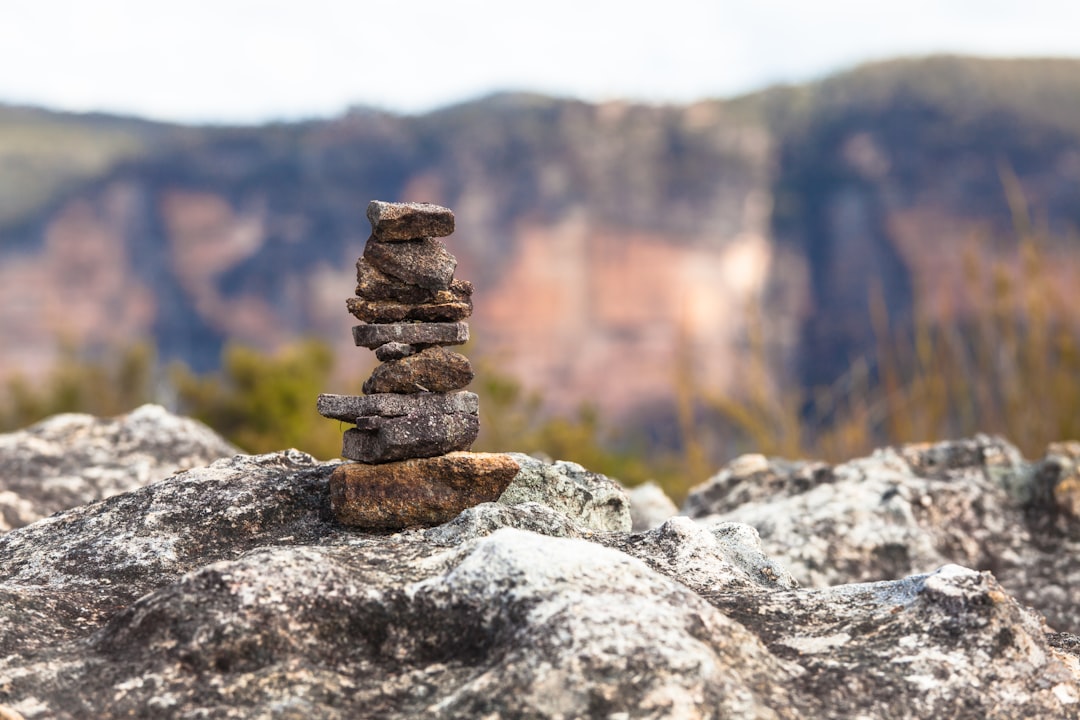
x=417, y=492
x=373, y=284
x=393, y=351
x=385, y=439
x=423, y=334
x=349, y=407
x=426, y=263
x=232, y=592
x=73, y=459
x=911, y=509
x=598, y=502
x=432, y=370
x=650, y=506
x=444, y=307
x=405, y=221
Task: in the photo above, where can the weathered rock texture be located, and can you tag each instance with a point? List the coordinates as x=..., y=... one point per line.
x=911, y=509
x=230, y=591
x=372, y=336
x=73, y=459
x=418, y=492
x=405, y=221
x=349, y=407
x=377, y=439
x=425, y=263
x=433, y=369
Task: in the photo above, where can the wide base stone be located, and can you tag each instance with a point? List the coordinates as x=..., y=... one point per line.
x=418, y=492
x=385, y=439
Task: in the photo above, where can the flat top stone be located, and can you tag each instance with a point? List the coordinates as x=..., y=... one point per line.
x=409, y=221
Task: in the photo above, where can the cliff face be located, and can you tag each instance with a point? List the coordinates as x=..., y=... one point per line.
x=604, y=240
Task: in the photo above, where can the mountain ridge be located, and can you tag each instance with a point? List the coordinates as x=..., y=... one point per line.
x=601, y=237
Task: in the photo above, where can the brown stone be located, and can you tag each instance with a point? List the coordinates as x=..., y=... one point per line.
x=434, y=369
x=374, y=284
x=424, y=262
x=350, y=407
x=406, y=221
x=446, y=306
x=420, y=492
x=393, y=351
x=379, y=439
x=418, y=334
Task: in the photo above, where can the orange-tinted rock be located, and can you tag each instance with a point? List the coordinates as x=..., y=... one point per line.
x=434, y=369
x=420, y=492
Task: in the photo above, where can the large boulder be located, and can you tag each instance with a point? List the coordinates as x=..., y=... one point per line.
x=73, y=459
x=230, y=591
x=911, y=509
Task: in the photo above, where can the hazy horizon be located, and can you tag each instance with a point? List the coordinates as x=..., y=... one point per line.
x=243, y=62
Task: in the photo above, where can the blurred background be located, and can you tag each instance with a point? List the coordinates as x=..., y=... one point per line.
x=695, y=229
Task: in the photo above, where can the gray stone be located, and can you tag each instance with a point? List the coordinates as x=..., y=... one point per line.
x=231, y=591
x=422, y=334
x=650, y=506
x=405, y=221
x=348, y=408
x=425, y=263
x=73, y=459
x=594, y=500
x=421, y=435
x=908, y=510
x=433, y=369
x=446, y=306
x=393, y=351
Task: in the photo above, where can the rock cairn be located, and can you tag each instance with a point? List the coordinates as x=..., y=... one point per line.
x=415, y=422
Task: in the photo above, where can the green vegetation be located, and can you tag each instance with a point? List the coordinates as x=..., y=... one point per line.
x=110, y=386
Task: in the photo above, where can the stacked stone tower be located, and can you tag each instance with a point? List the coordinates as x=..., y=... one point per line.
x=414, y=423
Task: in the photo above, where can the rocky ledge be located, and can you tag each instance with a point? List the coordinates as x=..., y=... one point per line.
x=231, y=591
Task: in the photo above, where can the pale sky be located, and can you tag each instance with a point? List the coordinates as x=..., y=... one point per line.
x=255, y=60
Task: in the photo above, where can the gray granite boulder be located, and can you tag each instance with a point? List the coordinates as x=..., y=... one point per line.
x=73, y=459
x=911, y=509
x=598, y=502
x=230, y=591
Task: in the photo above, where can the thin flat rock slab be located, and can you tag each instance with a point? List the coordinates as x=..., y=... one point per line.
x=434, y=369
x=348, y=408
x=392, y=222
x=417, y=492
x=373, y=335
x=446, y=306
x=385, y=439
x=424, y=262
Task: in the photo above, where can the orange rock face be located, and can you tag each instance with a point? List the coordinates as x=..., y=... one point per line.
x=421, y=492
